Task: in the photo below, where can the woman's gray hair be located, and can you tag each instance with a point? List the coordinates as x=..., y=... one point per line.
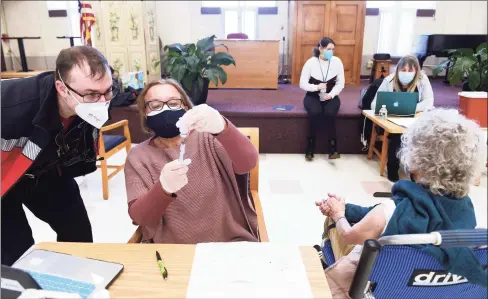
x=446, y=150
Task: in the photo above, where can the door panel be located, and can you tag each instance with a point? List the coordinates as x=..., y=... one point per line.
x=311, y=25
x=346, y=54
x=347, y=30
x=343, y=21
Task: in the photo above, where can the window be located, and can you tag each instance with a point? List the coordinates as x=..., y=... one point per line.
x=397, y=21
x=240, y=16
x=231, y=22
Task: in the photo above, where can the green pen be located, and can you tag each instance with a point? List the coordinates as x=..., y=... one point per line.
x=162, y=268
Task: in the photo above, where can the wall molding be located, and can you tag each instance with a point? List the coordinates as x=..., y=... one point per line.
x=267, y=10
x=421, y=13
x=425, y=13
x=218, y=10
x=372, y=11
x=59, y=13
x=210, y=10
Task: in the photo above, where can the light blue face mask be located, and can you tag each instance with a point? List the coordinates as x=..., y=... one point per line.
x=328, y=54
x=406, y=77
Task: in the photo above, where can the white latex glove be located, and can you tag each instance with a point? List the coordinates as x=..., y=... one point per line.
x=202, y=118
x=173, y=176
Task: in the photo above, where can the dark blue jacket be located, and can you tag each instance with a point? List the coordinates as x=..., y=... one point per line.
x=30, y=123
x=419, y=211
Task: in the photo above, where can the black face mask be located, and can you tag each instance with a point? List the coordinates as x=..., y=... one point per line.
x=164, y=123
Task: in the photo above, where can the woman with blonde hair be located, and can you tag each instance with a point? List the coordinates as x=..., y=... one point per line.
x=203, y=198
x=408, y=77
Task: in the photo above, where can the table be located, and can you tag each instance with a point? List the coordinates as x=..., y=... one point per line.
x=257, y=63
x=141, y=277
x=15, y=74
x=390, y=128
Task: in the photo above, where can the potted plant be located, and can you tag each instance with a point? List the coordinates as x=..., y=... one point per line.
x=471, y=68
x=467, y=66
x=195, y=65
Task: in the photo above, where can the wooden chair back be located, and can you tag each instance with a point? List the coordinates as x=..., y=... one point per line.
x=102, y=153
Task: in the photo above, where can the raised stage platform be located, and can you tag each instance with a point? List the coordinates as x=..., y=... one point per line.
x=286, y=131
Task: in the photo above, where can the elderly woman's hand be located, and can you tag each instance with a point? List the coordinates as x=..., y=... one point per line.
x=336, y=206
x=324, y=209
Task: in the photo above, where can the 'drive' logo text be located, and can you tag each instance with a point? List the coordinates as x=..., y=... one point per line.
x=429, y=278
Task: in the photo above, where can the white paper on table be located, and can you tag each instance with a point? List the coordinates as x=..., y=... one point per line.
x=248, y=270
x=402, y=121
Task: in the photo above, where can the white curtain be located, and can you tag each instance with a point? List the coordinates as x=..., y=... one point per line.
x=397, y=23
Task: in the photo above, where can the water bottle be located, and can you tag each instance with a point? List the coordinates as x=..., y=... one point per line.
x=322, y=94
x=383, y=112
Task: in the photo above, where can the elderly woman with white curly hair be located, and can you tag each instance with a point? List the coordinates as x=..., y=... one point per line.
x=443, y=152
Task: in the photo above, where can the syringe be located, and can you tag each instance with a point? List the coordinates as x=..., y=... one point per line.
x=183, y=134
x=182, y=152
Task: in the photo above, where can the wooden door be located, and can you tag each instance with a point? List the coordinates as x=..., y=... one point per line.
x=311, y=24
x=347, y=30
x=343, y=21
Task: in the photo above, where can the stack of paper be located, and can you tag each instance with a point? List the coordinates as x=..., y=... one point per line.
x=248, y=270
x=402, y=121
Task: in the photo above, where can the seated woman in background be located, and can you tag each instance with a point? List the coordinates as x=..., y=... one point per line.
x=323, y=79
x=408, y=77
x=443, y=151
x=183, y=203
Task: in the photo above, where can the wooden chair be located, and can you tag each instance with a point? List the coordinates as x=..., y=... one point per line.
x=253, y=135
x=109, y=145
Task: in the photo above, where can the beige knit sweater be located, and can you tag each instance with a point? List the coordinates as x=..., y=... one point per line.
x=213, y=207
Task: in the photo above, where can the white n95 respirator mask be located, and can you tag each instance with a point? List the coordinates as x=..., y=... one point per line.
x=96, y=114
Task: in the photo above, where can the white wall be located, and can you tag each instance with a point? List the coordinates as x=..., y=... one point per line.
x=30, y=18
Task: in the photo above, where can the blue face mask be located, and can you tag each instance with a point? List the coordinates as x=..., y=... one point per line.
x=406, y=77
x=328, y=54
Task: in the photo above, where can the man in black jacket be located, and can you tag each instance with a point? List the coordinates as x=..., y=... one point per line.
x=50, y=126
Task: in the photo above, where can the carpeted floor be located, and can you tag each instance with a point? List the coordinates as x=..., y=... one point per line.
x=236, y=102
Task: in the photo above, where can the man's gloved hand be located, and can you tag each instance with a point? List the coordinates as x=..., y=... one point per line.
x=174, y=176
x=203, y=118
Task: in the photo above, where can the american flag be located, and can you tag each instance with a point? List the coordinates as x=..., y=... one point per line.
x=87, y=20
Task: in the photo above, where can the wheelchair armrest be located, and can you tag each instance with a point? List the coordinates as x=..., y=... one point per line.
x=448, y=238
x=464, y=237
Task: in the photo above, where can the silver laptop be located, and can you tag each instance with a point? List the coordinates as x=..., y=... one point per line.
x=63, y=272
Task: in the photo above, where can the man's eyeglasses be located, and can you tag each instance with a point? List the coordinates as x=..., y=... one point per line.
x=95, y=97
x=156, y=105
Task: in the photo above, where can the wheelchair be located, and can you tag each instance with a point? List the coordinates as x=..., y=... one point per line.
x=389, y=268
